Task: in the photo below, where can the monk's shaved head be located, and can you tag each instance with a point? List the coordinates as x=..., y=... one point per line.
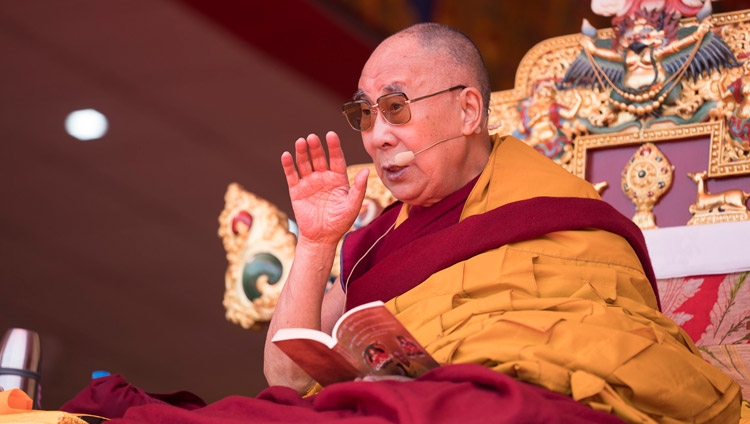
x=450, y=43
x=440, y=67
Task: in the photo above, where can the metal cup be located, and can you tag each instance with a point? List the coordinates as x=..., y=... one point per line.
x=20, y=360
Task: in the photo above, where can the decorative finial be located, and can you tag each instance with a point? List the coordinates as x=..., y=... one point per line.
x=705, y=11
x=587, y=29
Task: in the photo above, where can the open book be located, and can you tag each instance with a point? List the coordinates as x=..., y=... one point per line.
x=367, y=340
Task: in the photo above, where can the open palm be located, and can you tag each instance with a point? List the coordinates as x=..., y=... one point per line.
x=324, y=204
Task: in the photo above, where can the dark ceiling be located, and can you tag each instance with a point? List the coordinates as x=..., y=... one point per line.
x=108, y=248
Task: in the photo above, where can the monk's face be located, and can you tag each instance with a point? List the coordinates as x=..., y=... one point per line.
x=400, y=65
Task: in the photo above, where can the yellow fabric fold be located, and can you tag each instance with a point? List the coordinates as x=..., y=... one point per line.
x=41, y=417
x=571, y=311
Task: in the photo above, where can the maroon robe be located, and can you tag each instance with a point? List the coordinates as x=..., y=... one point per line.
x=421, y=222
x=408, y=258
x=449, y=394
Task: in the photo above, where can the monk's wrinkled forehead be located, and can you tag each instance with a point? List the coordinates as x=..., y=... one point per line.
x=397, y=64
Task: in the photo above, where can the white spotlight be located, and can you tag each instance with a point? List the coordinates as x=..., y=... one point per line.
x=86, y=124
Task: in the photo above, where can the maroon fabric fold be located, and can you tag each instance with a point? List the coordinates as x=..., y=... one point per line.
x=110, y=396
x=406, y=267
x=448, y=394
x=421, y=221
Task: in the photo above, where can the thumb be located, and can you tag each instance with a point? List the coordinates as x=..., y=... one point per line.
x=358, y=189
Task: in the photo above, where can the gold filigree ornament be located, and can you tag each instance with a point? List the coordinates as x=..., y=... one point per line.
x=727, y=206
x=600, y=187
x=647, y=177
x=260, y=250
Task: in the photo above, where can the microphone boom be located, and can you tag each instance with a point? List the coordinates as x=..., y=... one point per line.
x=403, y=158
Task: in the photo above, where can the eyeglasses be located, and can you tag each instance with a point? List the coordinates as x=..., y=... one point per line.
x=394, y=106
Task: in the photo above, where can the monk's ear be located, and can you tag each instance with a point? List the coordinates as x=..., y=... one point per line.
x=471, y=110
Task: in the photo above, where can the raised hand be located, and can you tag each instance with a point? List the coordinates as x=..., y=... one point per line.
x=324, y=204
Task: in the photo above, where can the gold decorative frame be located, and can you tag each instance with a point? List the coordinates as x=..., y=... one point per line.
x=714, y=129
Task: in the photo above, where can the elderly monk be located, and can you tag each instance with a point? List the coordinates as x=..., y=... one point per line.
x=493, y=255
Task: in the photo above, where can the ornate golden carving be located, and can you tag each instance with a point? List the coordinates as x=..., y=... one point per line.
x=719, y=95
x=695, y=93
x=646, y=177
x=552, y=66
x=541, y=124
x=600, y=187
x=259, y=249
x=726, y=206
x=504, y=117
x=734, y=107
x=737, y=37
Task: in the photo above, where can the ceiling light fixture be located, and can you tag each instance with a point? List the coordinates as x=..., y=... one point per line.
x=86, y=124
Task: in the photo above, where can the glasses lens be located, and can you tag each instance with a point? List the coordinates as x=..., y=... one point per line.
x=394, y=108
x=358, y=114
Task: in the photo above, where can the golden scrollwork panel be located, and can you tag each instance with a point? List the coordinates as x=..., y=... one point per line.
x=259, y=249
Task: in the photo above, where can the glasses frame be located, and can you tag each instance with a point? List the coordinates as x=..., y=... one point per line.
x=374, y=108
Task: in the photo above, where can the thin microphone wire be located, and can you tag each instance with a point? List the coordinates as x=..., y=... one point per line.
x=435, y=143
x=405, y=157
x=346, y=284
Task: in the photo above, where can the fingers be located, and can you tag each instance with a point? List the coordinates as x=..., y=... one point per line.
x=338, y=163
x=289, y=170
x=310, y=160
x=317, y=154
x=311, y=157
x=303, y=159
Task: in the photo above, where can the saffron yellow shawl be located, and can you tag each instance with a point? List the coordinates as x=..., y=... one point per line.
x=571, y=311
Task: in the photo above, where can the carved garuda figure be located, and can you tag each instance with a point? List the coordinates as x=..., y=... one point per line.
x=650, y=54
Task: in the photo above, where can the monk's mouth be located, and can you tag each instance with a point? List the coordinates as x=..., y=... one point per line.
x=394, y=173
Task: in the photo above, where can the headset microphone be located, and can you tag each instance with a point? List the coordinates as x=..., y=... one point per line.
x=403, y=158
